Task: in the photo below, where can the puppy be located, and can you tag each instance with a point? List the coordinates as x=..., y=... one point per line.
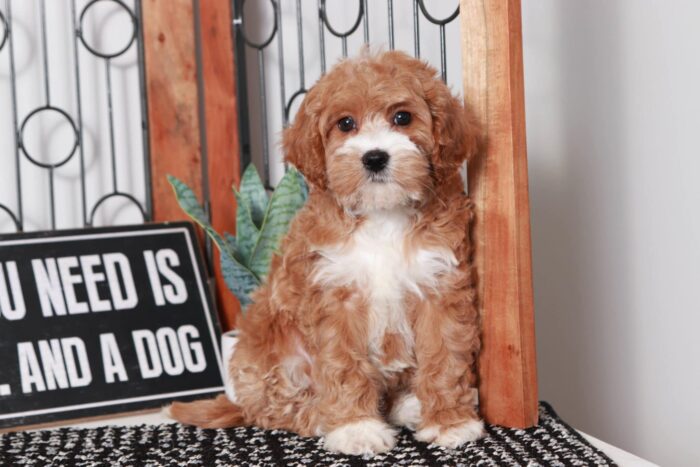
x=368, y=316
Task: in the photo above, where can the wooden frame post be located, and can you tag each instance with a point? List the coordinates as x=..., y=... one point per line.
x=498, y=185
x=221, y=119
x=179, y=126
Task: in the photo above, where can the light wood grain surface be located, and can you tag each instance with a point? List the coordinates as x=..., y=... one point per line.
x=222, y=134
x=176, y=133
x=498, y=184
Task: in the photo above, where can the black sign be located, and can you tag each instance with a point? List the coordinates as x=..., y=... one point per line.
x=103, y=321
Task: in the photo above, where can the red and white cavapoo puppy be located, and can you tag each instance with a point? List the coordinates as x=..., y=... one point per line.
x=368, y=316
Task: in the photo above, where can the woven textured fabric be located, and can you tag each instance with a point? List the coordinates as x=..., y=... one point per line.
x=552, y=443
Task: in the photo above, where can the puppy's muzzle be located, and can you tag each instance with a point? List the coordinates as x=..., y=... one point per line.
x=375, y=161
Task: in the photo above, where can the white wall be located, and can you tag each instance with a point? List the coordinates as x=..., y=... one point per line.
x=612, y=113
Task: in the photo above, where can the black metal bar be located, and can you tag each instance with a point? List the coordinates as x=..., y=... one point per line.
x=110, y=114
x=241, y=82
x=148, y=204
x=300, y=39
x=390, y=13
x=263, y=118
x=83, y=191
x=416, y=30
x=202, y=116
x=52, y=201
x=45, y=54
x=366, y=25
x=321, y=37
x=280, y=53
x=15, y=116
x=443, y=54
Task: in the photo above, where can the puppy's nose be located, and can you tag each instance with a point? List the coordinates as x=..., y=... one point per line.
x=375, y=160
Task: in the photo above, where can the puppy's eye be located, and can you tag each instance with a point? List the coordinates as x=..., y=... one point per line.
x=346, y=124
x=402, y=118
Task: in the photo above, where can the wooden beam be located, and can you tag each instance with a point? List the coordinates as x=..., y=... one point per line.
x=171, y=90
x=498, y=184
x=221, y=120
x=174, y=115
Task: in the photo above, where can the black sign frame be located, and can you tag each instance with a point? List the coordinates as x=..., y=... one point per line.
x=180, y=236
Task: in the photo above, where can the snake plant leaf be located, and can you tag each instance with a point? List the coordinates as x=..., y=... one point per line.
x=189, y=203
x=286, y=200
x=246, y=231
x=233, y=246
x=254, y=195
x=304, y=185
x=239, y=279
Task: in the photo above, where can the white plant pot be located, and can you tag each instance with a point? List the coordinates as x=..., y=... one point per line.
x=229, y=340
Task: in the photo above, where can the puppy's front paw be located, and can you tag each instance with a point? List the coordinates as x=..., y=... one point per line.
x=364, y=438
x=452, y=437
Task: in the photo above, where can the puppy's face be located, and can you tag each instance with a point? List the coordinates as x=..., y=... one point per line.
x=377, y=139
x=378, y=133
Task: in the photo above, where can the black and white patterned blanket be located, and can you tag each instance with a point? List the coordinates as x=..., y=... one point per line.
x=552, y=443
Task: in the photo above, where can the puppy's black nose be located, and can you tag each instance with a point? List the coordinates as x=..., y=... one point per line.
x=375, y=160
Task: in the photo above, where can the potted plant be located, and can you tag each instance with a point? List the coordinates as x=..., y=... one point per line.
x=261, y=222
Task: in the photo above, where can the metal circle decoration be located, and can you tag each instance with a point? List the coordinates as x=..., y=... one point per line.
x=432, y=19
x=116, y=194
x=353, y=28
x=62, y=159
x=5, y=31
x=290, y=102
x=92, y=49
x=14, y=219
x=266, y=42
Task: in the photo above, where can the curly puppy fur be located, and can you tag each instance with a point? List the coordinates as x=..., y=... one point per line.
x=368, y=313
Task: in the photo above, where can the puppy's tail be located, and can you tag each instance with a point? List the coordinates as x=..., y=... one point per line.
x=219, y=412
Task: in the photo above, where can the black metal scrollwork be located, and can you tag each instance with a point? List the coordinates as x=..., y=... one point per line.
x=5, y=31
x=33, y=158
x=74, y=122
x=15, y=218
x=132, y=38
x=266, y=42
x=93, y=50
x=432, y=19
x=344, y=35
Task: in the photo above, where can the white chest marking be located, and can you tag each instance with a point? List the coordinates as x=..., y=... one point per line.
x=376, y=261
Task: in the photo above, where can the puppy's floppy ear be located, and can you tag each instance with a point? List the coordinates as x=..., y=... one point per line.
x=302, y=142
x=455, y=130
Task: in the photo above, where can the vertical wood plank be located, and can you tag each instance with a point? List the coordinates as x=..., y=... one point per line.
x=173, y=114
x=498, y=184
x=221, y=121
x=171, y=90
